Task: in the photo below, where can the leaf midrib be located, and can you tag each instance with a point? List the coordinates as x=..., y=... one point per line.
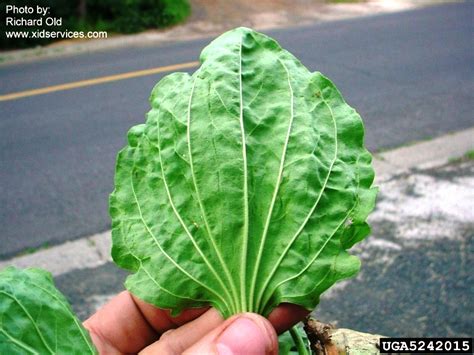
x=243, y=269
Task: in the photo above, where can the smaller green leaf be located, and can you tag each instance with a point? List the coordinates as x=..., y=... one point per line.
x=35, y=318
x=288, y=345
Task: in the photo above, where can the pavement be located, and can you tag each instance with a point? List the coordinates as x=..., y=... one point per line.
x=409, y=74
x=416, y=277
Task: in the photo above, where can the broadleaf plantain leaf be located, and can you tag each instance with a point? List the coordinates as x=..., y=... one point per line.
x=35, y=318
x=245, y=186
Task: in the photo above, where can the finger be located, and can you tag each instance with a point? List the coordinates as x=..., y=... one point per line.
x=120, y=327
x=286, y=315
x=127, y=324
x=161, y=319
x=175, y=341
x=246, y=333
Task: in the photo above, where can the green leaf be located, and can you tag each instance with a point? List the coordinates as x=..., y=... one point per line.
x=293, y=342
x=35, y=318
x=286, y=344
x=245, y=186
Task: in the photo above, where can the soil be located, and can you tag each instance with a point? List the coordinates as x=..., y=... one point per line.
x=251, y=13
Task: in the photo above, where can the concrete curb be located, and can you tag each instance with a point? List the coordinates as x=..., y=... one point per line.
x=88, y=252
x=426, y=154
x=94, y=251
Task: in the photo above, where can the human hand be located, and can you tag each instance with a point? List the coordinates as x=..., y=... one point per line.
x=128, y=325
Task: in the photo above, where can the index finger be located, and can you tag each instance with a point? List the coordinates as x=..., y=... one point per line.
x=126, y=324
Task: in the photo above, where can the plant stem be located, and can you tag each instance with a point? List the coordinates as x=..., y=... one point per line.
x=300, y=345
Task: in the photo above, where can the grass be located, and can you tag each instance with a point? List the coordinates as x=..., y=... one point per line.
x=28, y=251
x=469, y=155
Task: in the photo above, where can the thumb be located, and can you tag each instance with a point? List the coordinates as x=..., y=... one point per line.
x=246, y=333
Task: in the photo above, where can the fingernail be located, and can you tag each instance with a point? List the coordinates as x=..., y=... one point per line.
x=243, y=336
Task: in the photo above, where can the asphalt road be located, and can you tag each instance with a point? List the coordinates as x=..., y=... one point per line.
x=409, y=74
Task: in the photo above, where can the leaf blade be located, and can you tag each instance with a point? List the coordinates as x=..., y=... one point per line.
x=31, y=291
x=266, y=166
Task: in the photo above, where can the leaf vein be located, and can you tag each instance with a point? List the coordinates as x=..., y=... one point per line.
x=201, y=206
x=316, y=255
x=79, y=326
x=156, y=240
x=17, y=301
x=300, y=229
x=18, y=342
x=277, y=185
